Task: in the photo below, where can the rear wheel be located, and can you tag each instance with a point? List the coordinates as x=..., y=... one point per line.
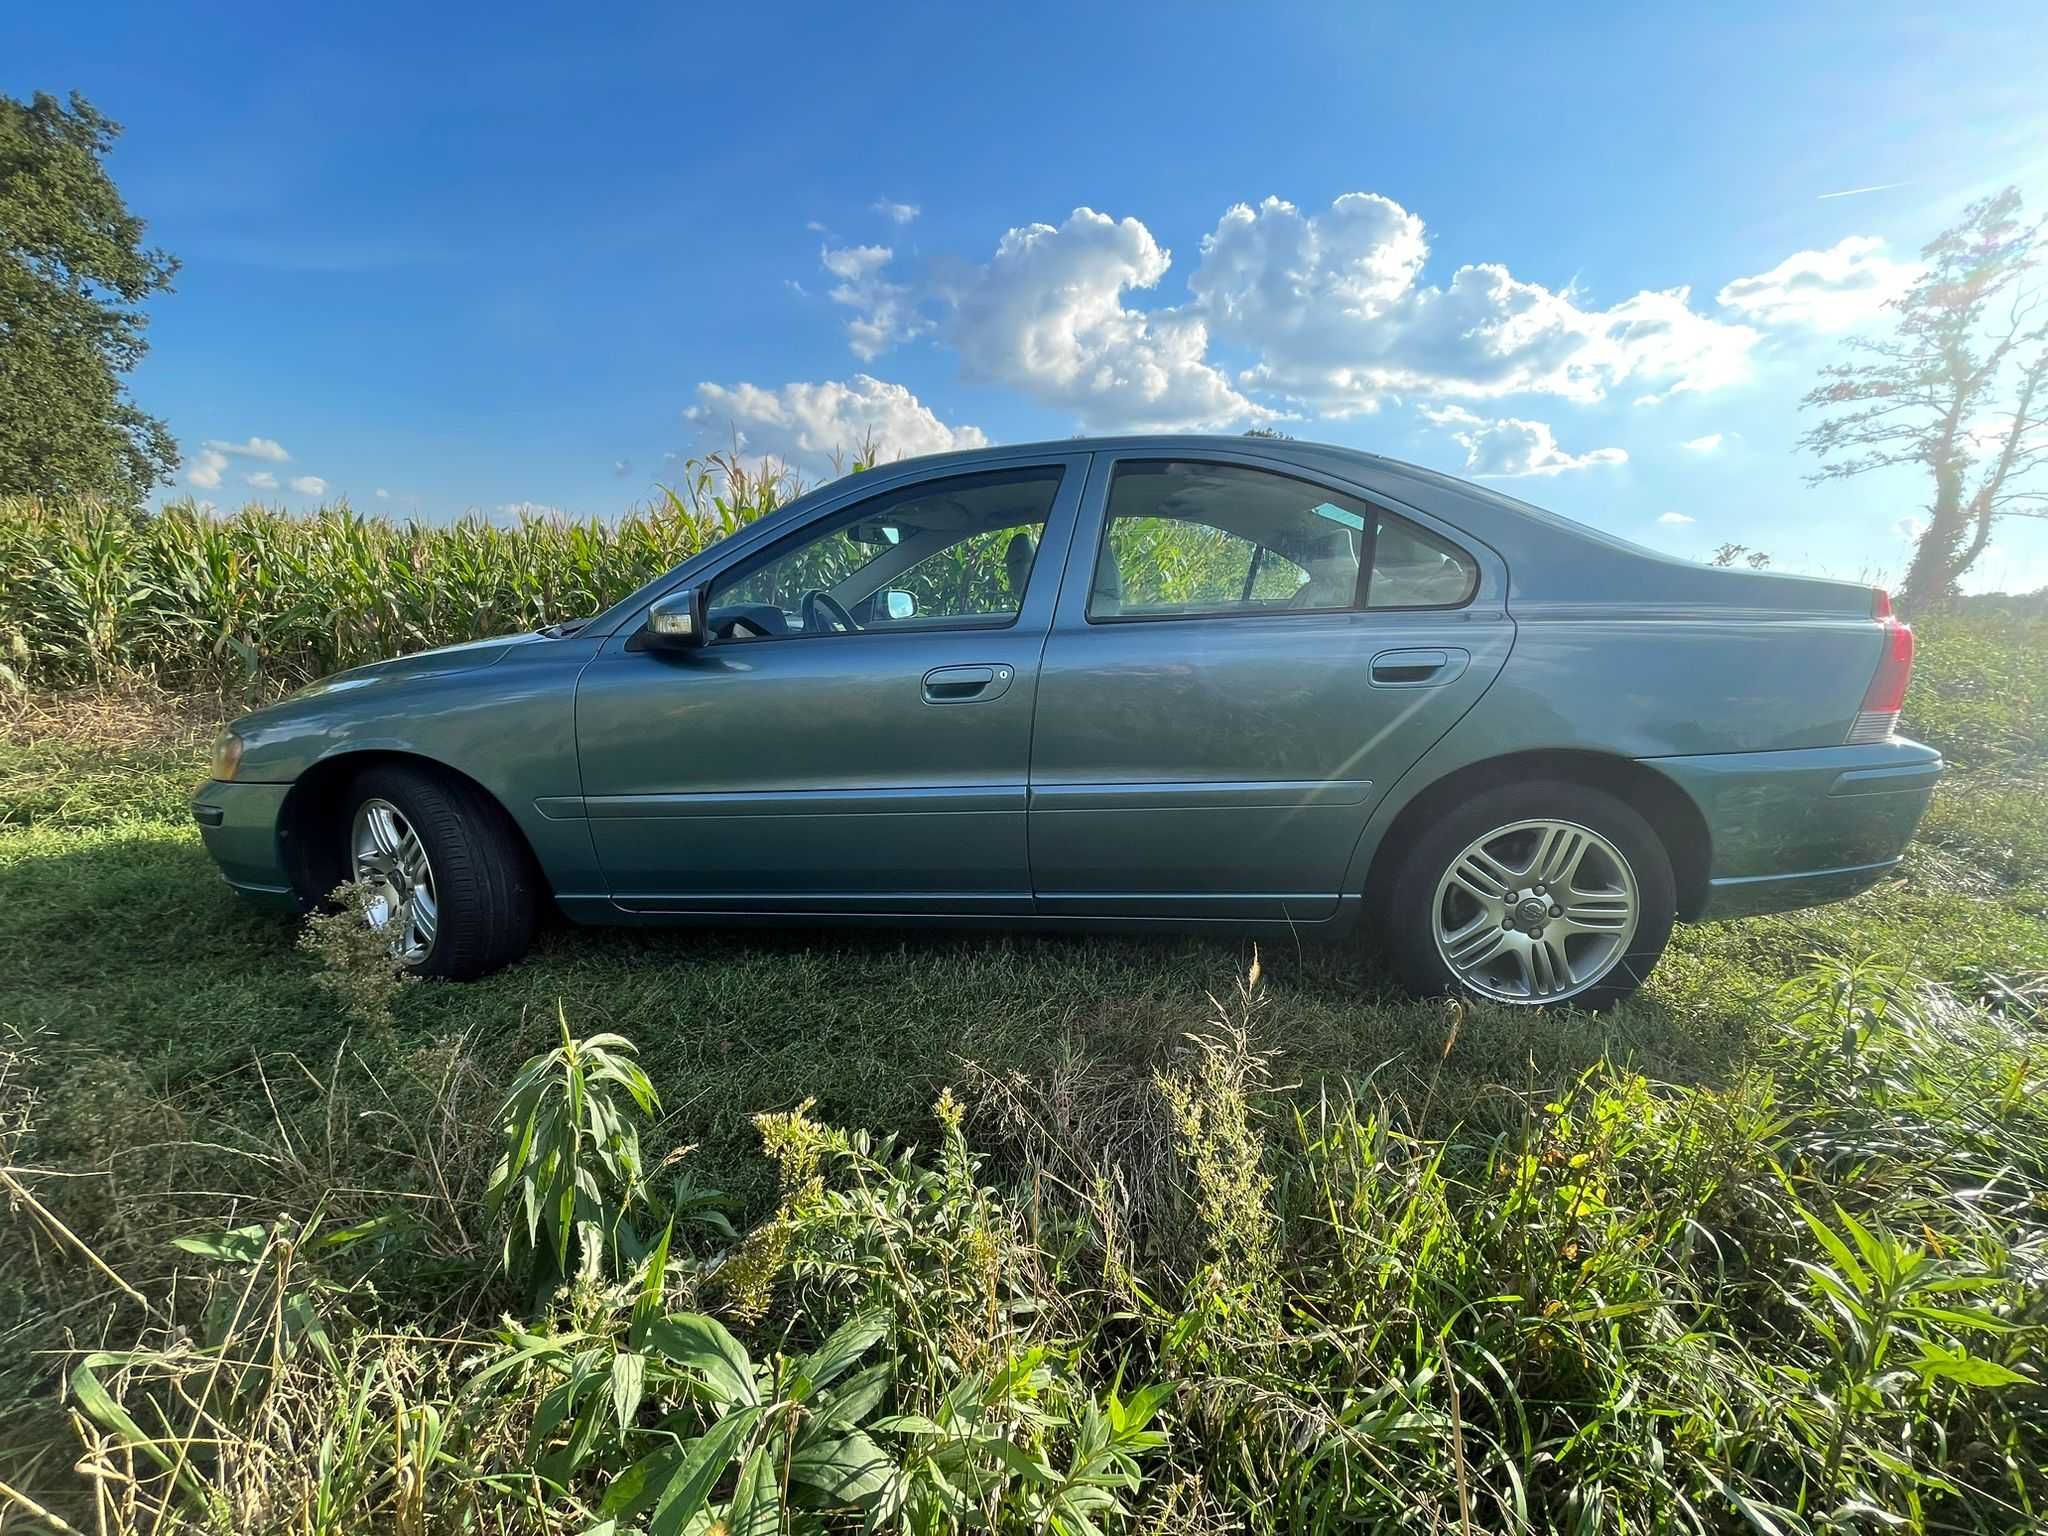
x=449, y=881
x=1532, y=894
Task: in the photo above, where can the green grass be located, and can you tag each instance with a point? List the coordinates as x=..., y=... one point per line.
x=174, y=1064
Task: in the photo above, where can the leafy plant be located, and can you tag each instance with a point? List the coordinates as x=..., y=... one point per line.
x=570, y=1178
x=964, y=1465
x=676, y=1403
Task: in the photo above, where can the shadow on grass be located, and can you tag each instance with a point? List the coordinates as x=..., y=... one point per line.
x=123, y=942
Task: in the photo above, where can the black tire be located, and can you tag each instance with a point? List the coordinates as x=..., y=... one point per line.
x=1406, y=909
x=487, y=889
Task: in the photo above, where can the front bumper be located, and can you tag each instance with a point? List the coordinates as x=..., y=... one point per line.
x=1806, y=827
x=238, y=823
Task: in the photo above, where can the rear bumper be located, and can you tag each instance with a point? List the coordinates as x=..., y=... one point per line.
x=238, y=824
x=1806, y=827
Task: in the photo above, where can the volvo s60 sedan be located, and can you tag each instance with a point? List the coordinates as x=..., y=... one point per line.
x=1131, y=682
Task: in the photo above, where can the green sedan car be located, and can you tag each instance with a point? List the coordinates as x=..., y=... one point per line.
x=1131, y=682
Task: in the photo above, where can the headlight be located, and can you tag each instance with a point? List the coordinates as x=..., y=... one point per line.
x=227, y=755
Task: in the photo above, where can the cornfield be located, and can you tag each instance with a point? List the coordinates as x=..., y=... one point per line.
x=93, y=594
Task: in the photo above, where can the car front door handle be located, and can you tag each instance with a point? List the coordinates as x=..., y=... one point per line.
x=1418, y=669
x=975, y=684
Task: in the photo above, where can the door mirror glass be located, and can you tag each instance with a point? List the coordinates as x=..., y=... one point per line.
x=899, y=605
x=679, y=620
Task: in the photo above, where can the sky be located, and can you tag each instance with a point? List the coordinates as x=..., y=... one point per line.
x=438, y=259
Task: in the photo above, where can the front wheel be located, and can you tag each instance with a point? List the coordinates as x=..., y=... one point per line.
x=449, y=883
x=1532, y=894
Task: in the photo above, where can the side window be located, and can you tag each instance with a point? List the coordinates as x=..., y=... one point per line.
x=1413, y=569
x=942, y=554
x=1187, y=538
x=984, y=573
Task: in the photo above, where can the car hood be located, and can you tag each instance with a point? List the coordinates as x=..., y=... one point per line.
x=441, y=661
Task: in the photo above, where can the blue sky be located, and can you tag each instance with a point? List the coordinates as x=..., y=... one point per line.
x=519, y=255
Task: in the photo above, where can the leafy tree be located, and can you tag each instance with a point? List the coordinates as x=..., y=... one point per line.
x=73, y=277
x=1960, y=388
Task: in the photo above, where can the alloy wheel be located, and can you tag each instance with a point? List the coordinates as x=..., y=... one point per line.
x=390, y=858
x=1536, y=911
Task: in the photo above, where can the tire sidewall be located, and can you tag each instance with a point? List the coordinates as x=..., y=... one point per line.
x=465, y=846
x=1407, y=914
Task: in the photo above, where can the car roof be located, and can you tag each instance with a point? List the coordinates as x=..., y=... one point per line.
x=1549, y=557
x=1354, y=463
x=1164, y=442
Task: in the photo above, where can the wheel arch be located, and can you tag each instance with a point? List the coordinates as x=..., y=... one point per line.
x=1672, y=814
x=313, y=851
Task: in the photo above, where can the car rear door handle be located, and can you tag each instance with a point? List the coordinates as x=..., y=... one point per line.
x=1418, y=669
x=974, y=684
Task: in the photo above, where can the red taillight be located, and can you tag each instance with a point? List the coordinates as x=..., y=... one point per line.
x=1886, y=695
x=1887, y=688
x=1880, y=603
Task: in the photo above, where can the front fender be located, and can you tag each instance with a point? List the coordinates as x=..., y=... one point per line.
x=509, y=725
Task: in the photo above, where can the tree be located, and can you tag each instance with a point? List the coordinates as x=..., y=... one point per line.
x=73, y=278
x=1960, y=389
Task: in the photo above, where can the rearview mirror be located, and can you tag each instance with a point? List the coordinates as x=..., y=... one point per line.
x=681, y=620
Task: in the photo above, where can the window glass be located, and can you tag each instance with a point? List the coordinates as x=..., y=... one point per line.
x=1184, y=538
x=1413, y=569
x=944, y=554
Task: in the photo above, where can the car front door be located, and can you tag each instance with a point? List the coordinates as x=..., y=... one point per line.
x=1242, y=661
x=855, y=735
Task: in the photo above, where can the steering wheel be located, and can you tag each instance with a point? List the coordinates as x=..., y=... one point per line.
x=820, y=605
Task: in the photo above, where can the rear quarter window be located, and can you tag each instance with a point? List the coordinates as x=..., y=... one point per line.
x=1414, y=569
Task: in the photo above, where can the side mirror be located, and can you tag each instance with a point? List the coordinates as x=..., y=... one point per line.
x=680, y=621
x=899, y=605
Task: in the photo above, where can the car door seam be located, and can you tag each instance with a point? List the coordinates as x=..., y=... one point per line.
x=1059, y=590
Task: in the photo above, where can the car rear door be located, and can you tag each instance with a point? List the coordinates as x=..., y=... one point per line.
x=1243, y=659
x=875, y=770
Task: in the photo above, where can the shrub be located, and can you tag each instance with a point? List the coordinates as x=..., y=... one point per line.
x=1812, y=1299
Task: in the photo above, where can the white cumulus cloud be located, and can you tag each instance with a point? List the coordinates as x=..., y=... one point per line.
x=1676, y=519
x=807, y=423
x=1512, y=446
x=262, y=479
x=255, y=448
x=205, y=470
x=528, y=509
x=381, y=494
x=1831, y=290
x=1334, y=306
x=1331, y=312
x=309, y=485
x=884, y=312
x=1047, y=316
